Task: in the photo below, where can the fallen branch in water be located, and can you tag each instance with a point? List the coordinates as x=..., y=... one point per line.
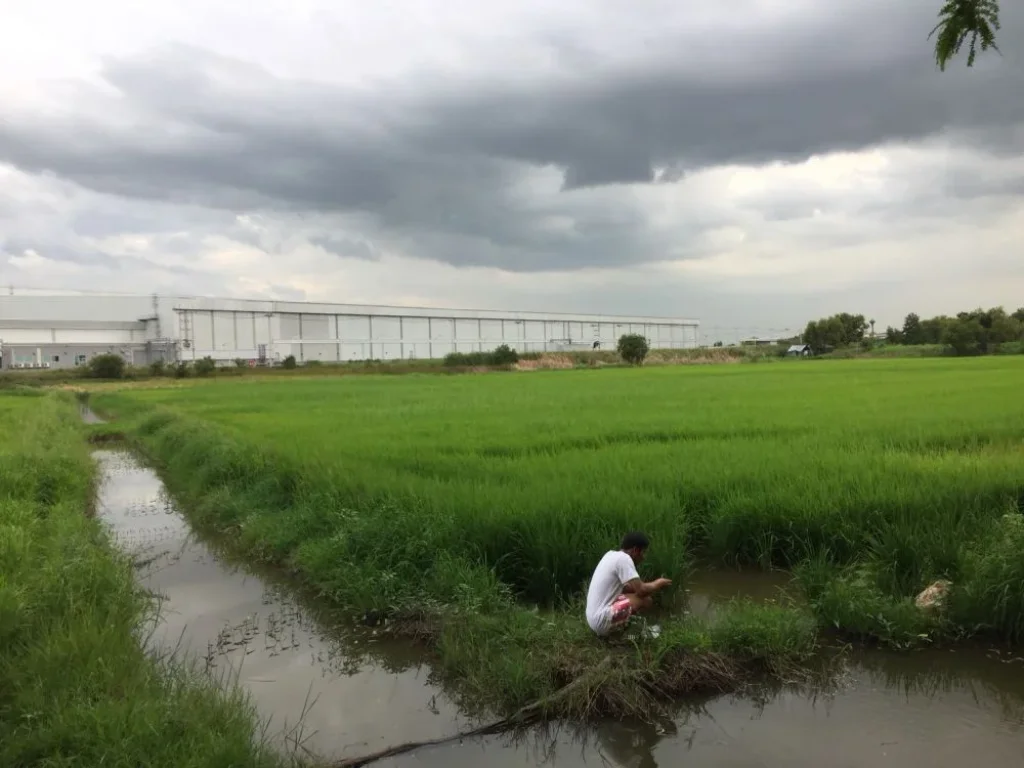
x=521, y=717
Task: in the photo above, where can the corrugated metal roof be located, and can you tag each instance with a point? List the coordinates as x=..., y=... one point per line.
x=132, y=308
x=72, y=325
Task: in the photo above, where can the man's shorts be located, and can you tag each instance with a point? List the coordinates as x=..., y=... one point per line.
x=622, y=609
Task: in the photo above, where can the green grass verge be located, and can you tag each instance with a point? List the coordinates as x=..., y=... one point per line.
x=76, y=688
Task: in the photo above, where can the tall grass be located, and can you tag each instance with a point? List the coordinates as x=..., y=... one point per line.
x=901, y=469
x=76, y=688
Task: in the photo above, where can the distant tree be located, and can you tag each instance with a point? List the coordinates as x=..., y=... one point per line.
x=992, y=327
x=912, y=333
x=1000, y=328
x=963, y=20
x=718, y=344
x=893, y=335
x=842, y=330
x=289, y=362
x=962, y=336
x=108, y=366
x=1018, y=315
x=853, y=328
x=932, y=328
x=633, y=348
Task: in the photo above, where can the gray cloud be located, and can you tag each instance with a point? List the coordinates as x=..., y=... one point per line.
x=56, y=251
x=346, y=247
x=435, y=169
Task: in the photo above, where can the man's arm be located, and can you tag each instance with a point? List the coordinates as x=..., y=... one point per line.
x=643, y=589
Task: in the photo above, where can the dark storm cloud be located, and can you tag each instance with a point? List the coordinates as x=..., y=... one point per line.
x=436, y=171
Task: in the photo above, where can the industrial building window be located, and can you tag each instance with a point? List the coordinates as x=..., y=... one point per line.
x=80, y=360
x=56, y=358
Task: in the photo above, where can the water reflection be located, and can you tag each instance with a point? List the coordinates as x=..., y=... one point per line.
x=337, y=693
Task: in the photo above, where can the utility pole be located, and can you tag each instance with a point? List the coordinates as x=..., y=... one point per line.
x=156, y=316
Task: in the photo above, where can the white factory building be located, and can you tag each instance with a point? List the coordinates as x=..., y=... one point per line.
x=65, y=331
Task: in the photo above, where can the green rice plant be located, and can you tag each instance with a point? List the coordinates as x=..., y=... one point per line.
x=990, y=598
x=893, y=470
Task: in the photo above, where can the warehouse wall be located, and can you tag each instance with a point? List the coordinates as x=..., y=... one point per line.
x=74, y=355
x=226, y=329
x=329, y=337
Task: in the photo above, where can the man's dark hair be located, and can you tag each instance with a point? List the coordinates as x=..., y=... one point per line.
x=635, y=540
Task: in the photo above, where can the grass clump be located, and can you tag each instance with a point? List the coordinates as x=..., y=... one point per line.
x=76, y=687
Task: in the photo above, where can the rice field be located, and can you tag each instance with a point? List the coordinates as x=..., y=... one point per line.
x=884, y=475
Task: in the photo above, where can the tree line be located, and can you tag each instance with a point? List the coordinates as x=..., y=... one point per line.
x=977, y=332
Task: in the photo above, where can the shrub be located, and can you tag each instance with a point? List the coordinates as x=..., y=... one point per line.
x=463, y=359
x=289, y=363
x=157, y=368
x=241, y=363
x=181, y=370
x=504, y=355
x=632, y=348
x=108, y=366
x=205, y=366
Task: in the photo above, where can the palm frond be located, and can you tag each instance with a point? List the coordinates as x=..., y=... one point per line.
x=974, y=22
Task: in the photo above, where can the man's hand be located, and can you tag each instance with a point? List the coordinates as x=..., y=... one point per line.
x=661, y=583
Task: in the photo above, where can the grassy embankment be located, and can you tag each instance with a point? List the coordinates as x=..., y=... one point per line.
x=473, y=497
x=76, y=688
x=579, y=359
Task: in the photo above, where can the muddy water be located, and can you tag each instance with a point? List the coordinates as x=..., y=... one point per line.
x=355, y=693
x=705, y=591
x=88, y=415
x=352, y=693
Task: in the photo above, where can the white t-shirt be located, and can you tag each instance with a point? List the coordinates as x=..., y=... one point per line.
x=612, y=572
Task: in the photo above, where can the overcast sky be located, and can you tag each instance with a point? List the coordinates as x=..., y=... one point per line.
x=753, y=163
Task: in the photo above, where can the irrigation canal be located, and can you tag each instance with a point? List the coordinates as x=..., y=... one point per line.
x=343, y=693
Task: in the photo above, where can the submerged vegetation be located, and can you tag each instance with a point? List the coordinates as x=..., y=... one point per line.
x=76, y=686
x=458, y=505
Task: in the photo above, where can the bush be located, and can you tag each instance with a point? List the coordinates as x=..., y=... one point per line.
x=109, y=366
x=504, y=355
x=241, y=363
x=157, y=368
x=181, y=370
x=633, y=348
x=289, y=363
x=206, y=366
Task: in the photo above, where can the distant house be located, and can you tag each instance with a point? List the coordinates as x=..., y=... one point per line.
x=799, y=350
